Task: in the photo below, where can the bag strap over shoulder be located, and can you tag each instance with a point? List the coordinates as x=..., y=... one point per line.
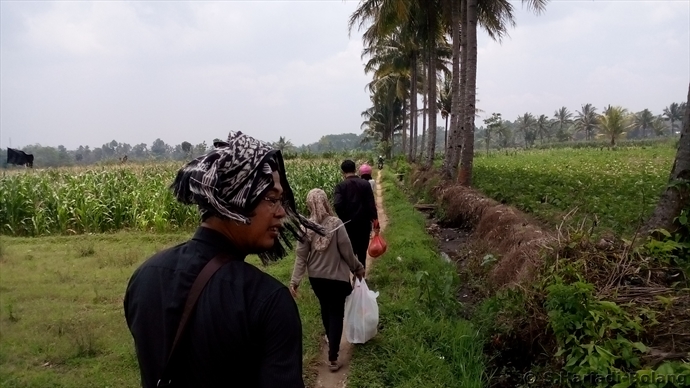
x=197, y=287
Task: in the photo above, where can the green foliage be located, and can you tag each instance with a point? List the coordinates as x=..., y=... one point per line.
x=672, y=248
x=666, y=375
x=101, y=199
x=591, y=333
x=436, y=294
x=599, y=144
x=498, y=313
x=618, y=188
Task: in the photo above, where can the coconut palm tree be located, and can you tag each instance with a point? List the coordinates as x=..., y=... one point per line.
x=613, y=123
x=586, y=120
x=543, y=128
x=658, y=126
x=494, y=16
x=562, y=117
x=389, y=61
x=644, y=121
x=445, y=102
x=505, y=135
x=528, y=126
x=420, y=21
x=673, y=113
x=283, y=145
x=381, y=120
x=395, y=19
x=472, y=16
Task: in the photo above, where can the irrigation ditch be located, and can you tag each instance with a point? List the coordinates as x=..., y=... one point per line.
x=528, y=287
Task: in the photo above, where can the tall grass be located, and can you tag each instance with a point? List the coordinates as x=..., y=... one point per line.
x=102, y=199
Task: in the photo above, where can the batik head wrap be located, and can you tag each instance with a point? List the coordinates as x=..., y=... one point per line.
x=231, y=180
x=321, y=213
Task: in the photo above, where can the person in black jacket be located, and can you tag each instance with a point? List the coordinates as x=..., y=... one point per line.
x=356, y=207
x=245, y=330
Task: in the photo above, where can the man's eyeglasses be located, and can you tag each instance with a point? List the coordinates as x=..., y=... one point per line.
x=274, y=203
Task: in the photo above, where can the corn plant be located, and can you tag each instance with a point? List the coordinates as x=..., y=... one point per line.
x=102, y=199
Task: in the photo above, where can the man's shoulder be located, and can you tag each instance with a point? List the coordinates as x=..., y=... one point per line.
x=342, y=184
x=253, y=277
x=166, y=257
x=262, y=290
x=363, y=184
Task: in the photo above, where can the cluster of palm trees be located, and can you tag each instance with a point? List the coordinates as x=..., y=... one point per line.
x=409, y=45
x=586, y=124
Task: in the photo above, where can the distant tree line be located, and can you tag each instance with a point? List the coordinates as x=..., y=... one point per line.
x=612, y=124
x=159, y=150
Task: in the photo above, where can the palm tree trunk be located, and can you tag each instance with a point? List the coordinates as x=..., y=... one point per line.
x=467, y=156
x=425, y=112
x=391, y=131
x=413, y=110
x=431, y=83
x=677, y=197
x=488, y=140
x=451, y=138
x=404, y=126
x=459, y=92
x=445, y=139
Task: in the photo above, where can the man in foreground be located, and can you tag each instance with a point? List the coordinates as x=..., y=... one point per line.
x=356, y=207
x=245, y=330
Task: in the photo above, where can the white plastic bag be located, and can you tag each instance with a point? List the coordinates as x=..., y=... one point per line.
x=361, y=314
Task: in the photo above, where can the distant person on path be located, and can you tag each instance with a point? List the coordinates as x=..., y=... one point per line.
x=356, y=207
x=246, y=329
x=329, y=260
x=380, y=162
x=365, y=173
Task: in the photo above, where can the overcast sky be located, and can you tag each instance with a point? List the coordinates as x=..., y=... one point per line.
x=76, y=72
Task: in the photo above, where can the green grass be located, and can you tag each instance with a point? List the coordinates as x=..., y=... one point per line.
x=61, y=317
x=421, y=342
x=620, y=187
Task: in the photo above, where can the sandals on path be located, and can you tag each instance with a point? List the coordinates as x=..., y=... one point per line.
x=334, y=367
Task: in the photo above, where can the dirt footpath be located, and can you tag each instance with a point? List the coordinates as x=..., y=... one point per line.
x=326, y=378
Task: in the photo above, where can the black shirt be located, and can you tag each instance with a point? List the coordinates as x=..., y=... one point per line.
x=354, y=201
x=245, y=331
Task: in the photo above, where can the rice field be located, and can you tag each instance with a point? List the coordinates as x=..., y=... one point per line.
x=132, y=197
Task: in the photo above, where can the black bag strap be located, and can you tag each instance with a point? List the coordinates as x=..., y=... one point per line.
x=197, y=287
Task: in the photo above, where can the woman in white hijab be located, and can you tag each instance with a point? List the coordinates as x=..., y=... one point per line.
x=329, y=260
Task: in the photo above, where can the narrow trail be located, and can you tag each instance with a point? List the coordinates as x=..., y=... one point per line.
x=338, y=379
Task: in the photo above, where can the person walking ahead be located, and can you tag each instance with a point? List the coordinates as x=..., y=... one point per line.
x=245, y=330
x=356, y=207
x=365, y=173
x=329, y=260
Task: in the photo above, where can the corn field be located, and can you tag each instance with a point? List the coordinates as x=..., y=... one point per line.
x=137, y=197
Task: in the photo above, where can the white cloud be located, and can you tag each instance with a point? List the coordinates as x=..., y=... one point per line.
x=632, y=54
x=89, y=72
